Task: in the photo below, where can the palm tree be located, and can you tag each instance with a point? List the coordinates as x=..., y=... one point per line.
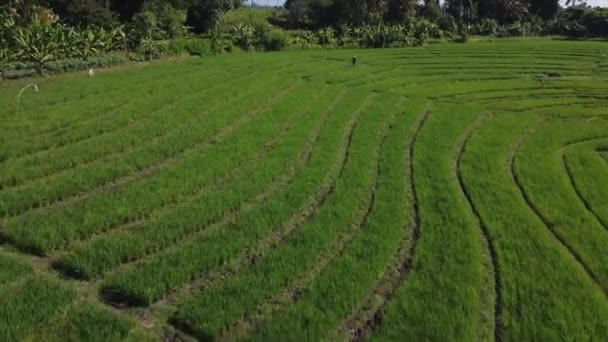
x=514, y=10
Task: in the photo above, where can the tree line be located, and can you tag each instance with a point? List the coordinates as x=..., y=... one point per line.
x=63, y=35
x=199, y=15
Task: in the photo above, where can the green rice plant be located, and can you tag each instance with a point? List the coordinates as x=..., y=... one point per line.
x=85, y=322
x=31, y=302
x=340, y=288
x=586, y=168
x=12, y=269
x=245, y=230
x=552, y=195
x=301, y=252
x=451, y=191
x=531, y=262
x=449, y=247
x=54, y=232
x=20, y=199
x=103, y=253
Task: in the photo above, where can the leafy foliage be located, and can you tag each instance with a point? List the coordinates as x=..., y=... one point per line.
x=204, y=15
x=151, y=48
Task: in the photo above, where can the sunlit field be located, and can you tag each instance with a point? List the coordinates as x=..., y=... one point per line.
x=453, y=192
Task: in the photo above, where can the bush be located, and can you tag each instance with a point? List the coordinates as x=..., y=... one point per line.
x=203, y=16
x=70, y=65
x=597, y=22
x=20, y=69
x=462, y=34
x=151, y=48
x=422, y=30
x=15, y=74
x=243, y=35
x=488, y=27
x=579, y=22
x=275, y=40
x=326, y=37
x=190, y=46
x=251, y=17
x=167, y=21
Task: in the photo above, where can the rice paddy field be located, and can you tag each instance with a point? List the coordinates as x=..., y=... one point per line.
x=453, y=192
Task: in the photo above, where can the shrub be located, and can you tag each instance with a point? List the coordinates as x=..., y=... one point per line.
x=597, y=22
x=150, y=48
x=243, y=35
x=303, y=39
x=38, y=44
x=15, y=74
x=422, y=30
x=74, y=64
x=488, y=27
x=275, y=40
x=190, y=46
x=204, y=15
x=166, y=20
x=251, y=17
x=462, y=33
x=326, y=37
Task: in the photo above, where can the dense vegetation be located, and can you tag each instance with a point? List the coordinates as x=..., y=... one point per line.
x=455, y=191
x=42, y=36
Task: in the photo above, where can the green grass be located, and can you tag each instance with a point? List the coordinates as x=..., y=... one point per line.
x=12, y=269
x=85, y=322
x=452, y=192
x=29, y=303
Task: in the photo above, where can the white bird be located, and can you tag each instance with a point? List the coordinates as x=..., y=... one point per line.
x=92, y=72
x=31, y=85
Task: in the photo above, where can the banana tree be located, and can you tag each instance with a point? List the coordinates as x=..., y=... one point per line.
x=218, y=41
x=326, y=36
x=151, y=48
x=345, y=34
x=357, y=33
x=243, y=35
x=38, y=44
x=87, y=43
x=118, y=39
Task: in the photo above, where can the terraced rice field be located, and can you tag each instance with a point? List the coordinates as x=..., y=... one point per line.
x=455, y=192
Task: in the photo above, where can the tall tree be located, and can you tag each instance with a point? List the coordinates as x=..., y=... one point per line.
x=126, y=9
x=299, y=12
x=204, y=15
x=514, y=10
x=399, y=10
x=431, y=10
x=83, y=12
x=489, y=9
x=546, y=9
x=462, y=10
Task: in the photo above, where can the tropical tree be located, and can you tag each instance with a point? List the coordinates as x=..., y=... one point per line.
x=431, y=10
x=38, y=44
x=204, y=15
x=545, y=9
x=151, y=48
x=514, y=11
x=462, y=10
x=326, y=36
x=243, y=35
x=299, y=11
x=399, y=10
x=84, y=12
x=489, y=9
